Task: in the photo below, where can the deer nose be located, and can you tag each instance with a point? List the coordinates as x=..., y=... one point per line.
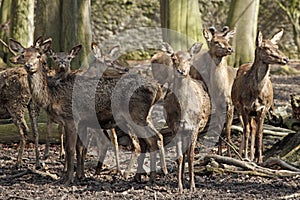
x=285, y=60
x=230, y=49
x=28, y=66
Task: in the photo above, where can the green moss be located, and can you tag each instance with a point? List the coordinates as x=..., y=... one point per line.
x=139, y=55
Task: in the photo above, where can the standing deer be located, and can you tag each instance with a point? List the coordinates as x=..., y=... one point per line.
x=187, y=108
x=62, y=66
x=212, y=67
x=15, y=98
x=59, y=101
x=252, y=92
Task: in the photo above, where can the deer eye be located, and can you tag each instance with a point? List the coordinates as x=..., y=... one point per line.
x=69, y=58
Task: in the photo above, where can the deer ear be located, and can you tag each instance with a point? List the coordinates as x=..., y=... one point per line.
x=45, y=46
x=229, y=34
x=276, y=37
x=166, y=47
x=96, y=50
x=207, y=35
x=38, y=42
x=15, y=47
x=259, y=39
x=115, y=52
x=75, y=50
x=195, y=48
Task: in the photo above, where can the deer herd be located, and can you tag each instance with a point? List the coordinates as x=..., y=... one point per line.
x=192, y=84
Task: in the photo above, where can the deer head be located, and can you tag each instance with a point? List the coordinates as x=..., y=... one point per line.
x=267, y=50
x=109, y=59
x=62, y=60
x=31, y=57
x=218, y=41
x=182, y=59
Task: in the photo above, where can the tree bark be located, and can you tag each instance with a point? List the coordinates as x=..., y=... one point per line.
x=243, y=15
x=48, y=21
x=76, y=23
x=22, y=24
x=181, y=23
x=4, y=33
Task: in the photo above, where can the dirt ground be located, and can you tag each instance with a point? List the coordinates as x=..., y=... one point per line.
x=14, y=184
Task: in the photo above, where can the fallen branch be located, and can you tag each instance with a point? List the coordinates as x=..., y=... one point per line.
x=292, y=196
x=270, y=130
x=276, y=161
x=31, y=171
x=246, y=165
x=16, y=175
x=44, y=174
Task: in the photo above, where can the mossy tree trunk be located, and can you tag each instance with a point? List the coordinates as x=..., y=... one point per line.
x=4, y=32
x=181, y=23
x=292, y=10
x=48, y=21
x=243, y=15
x=76, y=29
x=22, y=22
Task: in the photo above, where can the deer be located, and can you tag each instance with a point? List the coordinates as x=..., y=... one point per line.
x=252, y=93
x=15, y=98
x=59, y=101
x=187, y=107
x=62, y=66
x=211, y=67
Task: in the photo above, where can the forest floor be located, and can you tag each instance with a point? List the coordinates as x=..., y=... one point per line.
x=26, y=184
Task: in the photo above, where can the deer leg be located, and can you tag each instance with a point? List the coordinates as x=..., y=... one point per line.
x=62, y=148
x=246, y=135
x=114, y=139
x=160, y=145
x=179, y=146
x=71, y=139
x=191, y=156
x=136, y=149
x=259, y=137
x=102, y=153
x=23, y=133
x=81, y=149
x=229, y=120
x=253, y=133
x=133, y=158
x=140, y=170
x=33, y=114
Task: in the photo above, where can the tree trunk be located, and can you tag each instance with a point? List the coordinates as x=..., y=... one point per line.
x=84, y=30
x=22, y=22
x=243, y=15
x=48, y=21
x=4, y=32
x=181, y=23
x=76, y=28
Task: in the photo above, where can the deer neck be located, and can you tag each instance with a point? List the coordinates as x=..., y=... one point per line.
x=260, y=71
x=180, y=87
x=39, y=88
x=217, y=60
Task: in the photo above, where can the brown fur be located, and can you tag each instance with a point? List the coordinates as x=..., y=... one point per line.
x=15, y=99
x=252, y=93
x=58, y=101
x=187, y=107
x=212, y=67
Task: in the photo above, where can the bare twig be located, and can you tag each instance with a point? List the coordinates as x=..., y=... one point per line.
x=276, y=161
x=251, y=166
